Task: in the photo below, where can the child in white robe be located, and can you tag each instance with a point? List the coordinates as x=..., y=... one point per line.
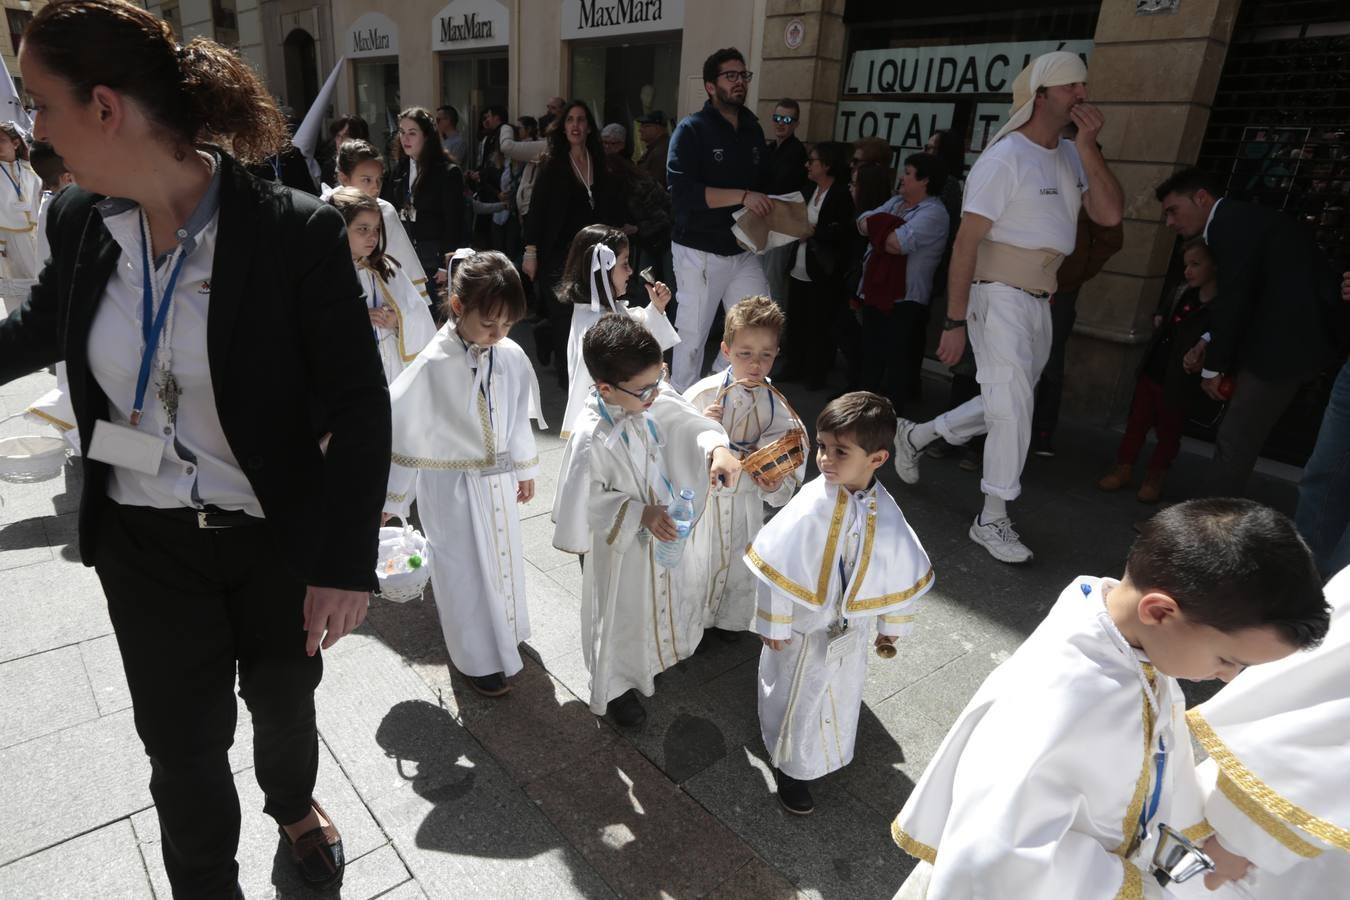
x=400, y=318
x=20, y=206
x=360, y=166
x=1276, y=786
x=594, y=280
x=463, y=447
x=837, y=565
x=1055, y=778
x=753, y=418
x=636, y=444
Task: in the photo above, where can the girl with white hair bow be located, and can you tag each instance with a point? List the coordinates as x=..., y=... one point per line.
x=594, y=282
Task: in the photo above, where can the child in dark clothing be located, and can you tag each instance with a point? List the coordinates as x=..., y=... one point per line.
x=1167, y=380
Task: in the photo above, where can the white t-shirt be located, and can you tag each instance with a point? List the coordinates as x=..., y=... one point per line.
x=1032, y=194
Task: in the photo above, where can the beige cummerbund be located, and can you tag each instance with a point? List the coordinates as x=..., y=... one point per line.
x=1030, y=270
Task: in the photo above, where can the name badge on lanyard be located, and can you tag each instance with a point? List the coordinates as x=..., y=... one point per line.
x=126, y=446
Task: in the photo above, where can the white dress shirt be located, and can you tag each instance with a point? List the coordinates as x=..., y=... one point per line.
x=198, y=468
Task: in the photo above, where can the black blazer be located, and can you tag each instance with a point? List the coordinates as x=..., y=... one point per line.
x=829, y=249
x=291, y=357
x=439, y=199
x=559, y=209
x=1275, y=291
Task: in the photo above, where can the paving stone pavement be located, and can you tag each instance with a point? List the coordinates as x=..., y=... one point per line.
x=441, y=793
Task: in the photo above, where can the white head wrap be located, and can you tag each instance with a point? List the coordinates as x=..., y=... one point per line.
x=1048, y=70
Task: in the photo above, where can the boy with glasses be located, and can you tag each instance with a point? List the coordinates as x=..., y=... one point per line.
x=717, y=162
x=634, y=447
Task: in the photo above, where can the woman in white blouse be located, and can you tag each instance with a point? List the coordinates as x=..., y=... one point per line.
x=213, y=330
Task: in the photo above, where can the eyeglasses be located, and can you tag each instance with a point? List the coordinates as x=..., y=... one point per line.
x=648, y=392
x=784, y=120
x=735, y=75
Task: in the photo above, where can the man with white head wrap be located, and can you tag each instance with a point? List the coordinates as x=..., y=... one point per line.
x=1019, y=221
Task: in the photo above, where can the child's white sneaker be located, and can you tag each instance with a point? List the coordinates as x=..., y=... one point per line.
x=999, y=538
x=906, y=454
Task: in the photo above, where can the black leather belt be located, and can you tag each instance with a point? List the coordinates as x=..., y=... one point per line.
x=1039, y=295
x=209, y=517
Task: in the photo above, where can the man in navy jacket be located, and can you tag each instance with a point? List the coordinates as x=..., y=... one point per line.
x=717, y=162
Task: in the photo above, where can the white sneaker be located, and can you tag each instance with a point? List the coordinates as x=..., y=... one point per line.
x=999, y=538
x=906, y=454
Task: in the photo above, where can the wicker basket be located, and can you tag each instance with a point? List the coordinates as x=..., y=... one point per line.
x=32, y=457
x=775, y=461
x=398, y=582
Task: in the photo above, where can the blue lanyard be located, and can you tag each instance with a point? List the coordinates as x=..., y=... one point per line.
x=747, y=446
x=1160, y=764
x=152, y=321
x=651, y=429
x=17, y=191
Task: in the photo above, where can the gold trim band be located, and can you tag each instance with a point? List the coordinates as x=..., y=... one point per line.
x=915, y=848
x=1261, y=795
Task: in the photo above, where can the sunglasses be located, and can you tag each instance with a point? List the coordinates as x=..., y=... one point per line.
x=648, y=392
x=784, y=120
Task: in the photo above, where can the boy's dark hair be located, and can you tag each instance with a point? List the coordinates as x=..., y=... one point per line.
x=616, y=348
x=451, y=115
x=356, y=126
x=489, y=283
x=1187, y=182
x=789, y=103
x=926, y=165
x=1232, y=564
x=48, y=165
x=1197, y=243
x=868, y=418
x=713, y=64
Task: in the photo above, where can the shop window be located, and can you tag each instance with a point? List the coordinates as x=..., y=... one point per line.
x=377, y=100
x=624, y=81
x=472, y=82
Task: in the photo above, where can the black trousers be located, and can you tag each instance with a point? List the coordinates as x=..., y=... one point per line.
x=892, y=344
x=190, y=608
x=810, y=339
x=1050, y=389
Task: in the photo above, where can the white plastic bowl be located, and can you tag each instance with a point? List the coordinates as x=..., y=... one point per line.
x=31, y=457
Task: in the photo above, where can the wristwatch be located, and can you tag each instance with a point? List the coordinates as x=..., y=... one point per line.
x=950, y=324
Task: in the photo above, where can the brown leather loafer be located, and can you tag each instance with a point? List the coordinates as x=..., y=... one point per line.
x=317, y=853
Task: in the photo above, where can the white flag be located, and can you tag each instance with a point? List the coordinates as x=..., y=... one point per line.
x=11, y=106
x=306, y=137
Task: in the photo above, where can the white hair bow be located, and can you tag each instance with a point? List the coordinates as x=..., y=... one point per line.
x=602, y=260
x=459, y=255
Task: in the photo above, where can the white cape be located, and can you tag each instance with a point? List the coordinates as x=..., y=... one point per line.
x=399, y=346
x=1277, y=783
x=579, y=380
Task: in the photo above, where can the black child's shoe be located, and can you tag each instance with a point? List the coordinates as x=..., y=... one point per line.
x=794, y=795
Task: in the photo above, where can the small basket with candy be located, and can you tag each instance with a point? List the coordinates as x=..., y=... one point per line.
x=404, y=564
x=782, y=457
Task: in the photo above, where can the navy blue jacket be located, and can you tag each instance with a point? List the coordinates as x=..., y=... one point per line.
x=705, y=151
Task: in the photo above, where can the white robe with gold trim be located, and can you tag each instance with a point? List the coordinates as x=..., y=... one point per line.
x=809, y=697
x=711, y=568
x=398, y=346
x=1277, y=783
x=634, y=622
x=579, y=380
x=441, y=448
x=1037, y=789
x=19, y=212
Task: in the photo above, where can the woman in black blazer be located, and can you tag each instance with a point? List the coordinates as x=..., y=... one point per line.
x=431, y=201
x=227, y=542
x=816, y=288
x=572, y=190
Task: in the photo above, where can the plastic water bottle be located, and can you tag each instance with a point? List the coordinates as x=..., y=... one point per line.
x=668, y=553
